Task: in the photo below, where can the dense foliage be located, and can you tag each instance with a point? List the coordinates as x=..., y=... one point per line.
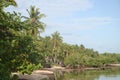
x=23, y=50
x=18, y=51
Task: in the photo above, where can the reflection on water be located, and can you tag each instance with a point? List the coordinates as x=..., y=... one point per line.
x=112, y=77
x=108, y=74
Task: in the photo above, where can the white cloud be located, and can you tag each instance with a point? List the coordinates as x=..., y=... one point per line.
x=99, y=19
x=59, y=7
x=56, y=6
x=72, y=25
x=53, y=8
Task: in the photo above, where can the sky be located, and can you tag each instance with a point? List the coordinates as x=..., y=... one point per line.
x=93, y=23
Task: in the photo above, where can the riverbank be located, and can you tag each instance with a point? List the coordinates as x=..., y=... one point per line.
x=42, y=74
x=49, y=73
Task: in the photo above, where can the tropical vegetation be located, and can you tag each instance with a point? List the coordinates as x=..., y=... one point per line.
x=23, y=50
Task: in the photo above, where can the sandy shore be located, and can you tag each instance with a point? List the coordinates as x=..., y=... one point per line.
x=45, y=73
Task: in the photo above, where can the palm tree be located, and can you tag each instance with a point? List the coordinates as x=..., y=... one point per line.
x=33, y=21
x=57, y=41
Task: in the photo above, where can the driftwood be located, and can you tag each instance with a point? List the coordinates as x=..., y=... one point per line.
x=113, y=65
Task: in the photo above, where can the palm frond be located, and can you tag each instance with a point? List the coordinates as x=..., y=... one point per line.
x=41, y=16
x=25, y=17
x=12, y=2
x=32, y=11
x=28, y=11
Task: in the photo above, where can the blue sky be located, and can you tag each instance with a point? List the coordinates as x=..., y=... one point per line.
x=93, y=23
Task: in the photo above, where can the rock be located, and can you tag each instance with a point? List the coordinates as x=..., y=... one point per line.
x=114, y=65
x=58, y=67
x=36, y=75
x=43, y=72
x=33, y=77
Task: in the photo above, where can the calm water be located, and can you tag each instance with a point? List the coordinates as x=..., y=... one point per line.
x=109, y=74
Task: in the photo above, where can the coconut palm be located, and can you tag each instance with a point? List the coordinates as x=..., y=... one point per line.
x=34, y=21
x=57, y=41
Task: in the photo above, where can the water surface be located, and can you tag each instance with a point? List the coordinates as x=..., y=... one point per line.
x=108, y=74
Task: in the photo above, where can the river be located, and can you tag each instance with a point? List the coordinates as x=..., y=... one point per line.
x=108, y=74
